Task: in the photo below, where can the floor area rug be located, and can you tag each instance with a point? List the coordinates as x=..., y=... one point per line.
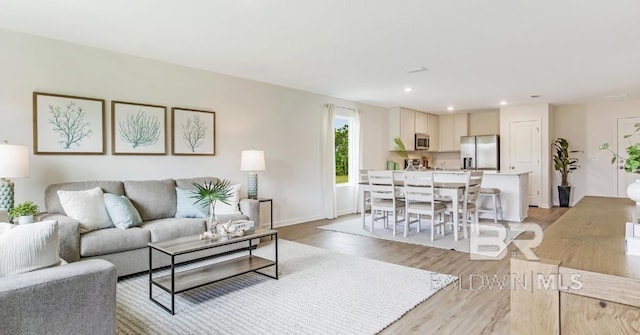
x=319, y=292
x=354, y=226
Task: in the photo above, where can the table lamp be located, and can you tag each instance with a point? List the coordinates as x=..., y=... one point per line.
x=252, y=161
x=14, y=163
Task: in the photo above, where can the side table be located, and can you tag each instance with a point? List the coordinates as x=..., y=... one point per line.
x=270, y=201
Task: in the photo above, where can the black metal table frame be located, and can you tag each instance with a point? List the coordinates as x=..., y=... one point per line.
x=173, y=268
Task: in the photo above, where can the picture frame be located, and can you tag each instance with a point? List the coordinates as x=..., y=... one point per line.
x=138, y=129
x=68, y=125
x=193, y=132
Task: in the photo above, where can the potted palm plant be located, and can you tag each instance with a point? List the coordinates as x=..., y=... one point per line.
x=564, y=165
x=24, y=212
x=209, y=193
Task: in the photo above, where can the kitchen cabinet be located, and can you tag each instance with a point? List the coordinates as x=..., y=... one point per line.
x=402, y=125
x=422, y=123
x=451, y=127
x=433, y=124
x=405, y=123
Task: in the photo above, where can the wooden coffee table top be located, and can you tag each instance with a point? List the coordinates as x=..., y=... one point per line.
x=187, y=244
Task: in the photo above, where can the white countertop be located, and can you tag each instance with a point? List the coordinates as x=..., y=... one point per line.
x=486, y=172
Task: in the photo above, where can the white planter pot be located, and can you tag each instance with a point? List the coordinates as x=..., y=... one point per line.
x=633, y=191
x=25, y=219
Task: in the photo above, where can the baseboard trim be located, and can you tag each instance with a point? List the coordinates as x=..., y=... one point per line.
x=291, y=222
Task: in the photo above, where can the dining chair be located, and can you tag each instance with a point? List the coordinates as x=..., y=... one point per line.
x=363, y=179
x=460, y=178
x=472, y=195
x=420, y=200
x=383, y=198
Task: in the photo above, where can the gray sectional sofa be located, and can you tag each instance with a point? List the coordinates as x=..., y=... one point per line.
x=127, y=249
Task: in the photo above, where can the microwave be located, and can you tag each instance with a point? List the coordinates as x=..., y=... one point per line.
x=422, y=141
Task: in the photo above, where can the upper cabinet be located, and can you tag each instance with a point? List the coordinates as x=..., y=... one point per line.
x=451, y=127
x=402, y=125
x=433, y=129
x=405, y=123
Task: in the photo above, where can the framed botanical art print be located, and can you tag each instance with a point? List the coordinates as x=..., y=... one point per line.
x=138, y=129
x=65, y=124
x=193, y=132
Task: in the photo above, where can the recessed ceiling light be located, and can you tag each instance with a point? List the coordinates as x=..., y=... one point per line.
x=451, y=108
x=503, y=103
x=408, y=89
x=418, y=69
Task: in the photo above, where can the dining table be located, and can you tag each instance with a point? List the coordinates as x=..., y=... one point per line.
x=443, y=190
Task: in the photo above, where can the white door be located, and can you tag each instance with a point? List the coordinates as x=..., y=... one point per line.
x=524, y=153
x=625, y=127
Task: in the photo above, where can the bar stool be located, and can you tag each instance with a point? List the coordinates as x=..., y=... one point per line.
x=494, y=193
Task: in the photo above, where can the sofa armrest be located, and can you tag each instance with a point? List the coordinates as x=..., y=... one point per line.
x=76, y=298
x=251, y=208
x=69, y=231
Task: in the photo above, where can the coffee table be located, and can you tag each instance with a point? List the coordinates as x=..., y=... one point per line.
x=177, y=282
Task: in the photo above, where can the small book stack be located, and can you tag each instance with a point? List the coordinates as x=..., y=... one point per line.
x=632, y=239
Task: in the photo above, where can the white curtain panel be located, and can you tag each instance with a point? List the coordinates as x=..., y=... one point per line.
x=329, y=164
x=356, y=162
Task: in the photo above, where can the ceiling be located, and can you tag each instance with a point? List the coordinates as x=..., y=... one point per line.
x=477, y=52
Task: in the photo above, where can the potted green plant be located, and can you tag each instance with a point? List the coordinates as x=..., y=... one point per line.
x=564, y=164
x=209, y=193
x=401, y=150
x=631, y=162
x=24, y=212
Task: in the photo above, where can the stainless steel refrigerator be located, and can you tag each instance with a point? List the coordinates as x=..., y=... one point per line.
x=480, y=152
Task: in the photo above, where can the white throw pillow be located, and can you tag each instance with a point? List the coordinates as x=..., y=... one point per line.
x=86, y=207
x=234, y=199
x=25, y=248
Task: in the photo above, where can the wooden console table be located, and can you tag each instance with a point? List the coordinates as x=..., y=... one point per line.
x=584, y=283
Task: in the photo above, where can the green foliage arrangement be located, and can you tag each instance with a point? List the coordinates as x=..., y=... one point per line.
x=208, y=193
x=562, y=162
x=24, y=209
x=632, y=161
x=400, y=148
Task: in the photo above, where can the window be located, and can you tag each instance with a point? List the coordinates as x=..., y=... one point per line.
x=343, y=142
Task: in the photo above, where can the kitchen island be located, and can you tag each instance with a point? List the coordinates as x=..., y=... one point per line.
x=514, y=194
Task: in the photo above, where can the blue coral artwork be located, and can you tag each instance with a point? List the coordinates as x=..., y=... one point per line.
x=65, y=124
x=138, y=129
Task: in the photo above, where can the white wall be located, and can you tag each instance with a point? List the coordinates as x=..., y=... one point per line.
x=285, y=123
x=484, y=122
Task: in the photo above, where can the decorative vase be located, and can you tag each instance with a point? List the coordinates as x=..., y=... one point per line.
x=25, y=219
x=564, y=193
x=213, y=221
x=633, y=192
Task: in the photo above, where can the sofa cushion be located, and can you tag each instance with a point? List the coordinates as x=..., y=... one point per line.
x=234, y=200
x=87, y=207
x=52, y=202
x=29, y=247
x=121, y=211
x=186, y=206
x=154, y=199
x=187, y=183
x=107, y=241
x=167, y=229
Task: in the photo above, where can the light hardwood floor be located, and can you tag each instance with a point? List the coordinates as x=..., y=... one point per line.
x=469, y=306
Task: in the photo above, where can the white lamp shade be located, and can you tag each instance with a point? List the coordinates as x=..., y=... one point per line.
x=14, y=161
x=252, y=160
